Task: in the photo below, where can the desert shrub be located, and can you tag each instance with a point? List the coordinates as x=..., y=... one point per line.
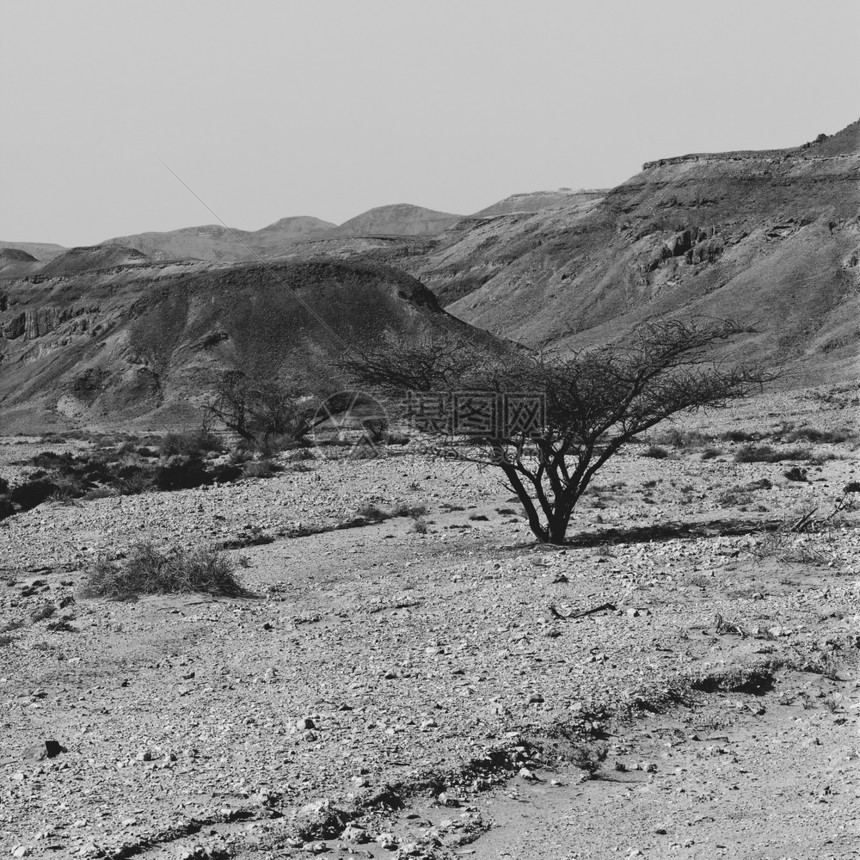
x=786, y=546
x=6, y=639
x=420, y=526
x=795, y=473
x=371, y=512
x=148, y=570
x=40, y=613
x=104, y=493
x=260, y=469
x=135, y=481
x=144, y=451
x=681, y=438
x=767, y=454
x=225, y=473
x=404, y=509
x=4, y=486
x=299, y=467
x=852, y=487
x=815, y=436
x=32, y=493
x=192, y=443
x=180, y=472
x=655, y=452
x=739, y=436
x=300, y=454
x=397, y=439
x=755, y=454
x=710, y=453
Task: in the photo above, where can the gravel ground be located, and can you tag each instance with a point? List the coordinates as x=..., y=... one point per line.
x=380, y=656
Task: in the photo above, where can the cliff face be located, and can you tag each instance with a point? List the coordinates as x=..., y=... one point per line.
x=772, y=238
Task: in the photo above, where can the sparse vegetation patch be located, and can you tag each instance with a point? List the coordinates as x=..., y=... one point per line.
x=149, y=570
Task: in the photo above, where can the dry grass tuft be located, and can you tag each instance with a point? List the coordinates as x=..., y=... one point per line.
x=148, y=570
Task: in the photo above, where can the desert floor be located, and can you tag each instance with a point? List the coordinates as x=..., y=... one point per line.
x=388, y=692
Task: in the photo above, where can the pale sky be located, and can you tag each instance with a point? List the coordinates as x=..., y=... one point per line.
x=270, y=108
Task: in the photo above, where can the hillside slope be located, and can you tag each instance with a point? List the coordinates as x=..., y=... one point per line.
x=217, y=243
x=772, y=238
x=149, y=341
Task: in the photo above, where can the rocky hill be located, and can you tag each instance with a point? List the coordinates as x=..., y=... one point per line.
x=146, y=342
x=217, y=243
x=770, y=237
x=14, y=262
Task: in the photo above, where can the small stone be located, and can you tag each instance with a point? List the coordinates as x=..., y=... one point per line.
x=145, y=755
x=535, y=699
x=20, y=851
x=387, y=841
x=305, y=723
x=355, y=834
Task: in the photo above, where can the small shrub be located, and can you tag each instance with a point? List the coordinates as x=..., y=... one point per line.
x=101, y=493
x=46, y=610
x=852, y=487
x=226, y=473
x=260, y=469
x=682, y=438
x=180, y=472
x=795, y=473
x=710, y=453
x=420, y=526
x=739, y=436
x=192, y=443
x=815, y=436
x=655, y=452
x=404, y=509
x=371, y=512
x=786, y=546
x=6, y=639
x=32, y=493
x=300, y=454
x=767, y=454
x=148, y=570
x=4, y=486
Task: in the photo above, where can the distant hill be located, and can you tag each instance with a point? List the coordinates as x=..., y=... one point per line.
x=400, y=219
x=217, y=243
x=42, y=251
x=772, y=238
x=147, y=342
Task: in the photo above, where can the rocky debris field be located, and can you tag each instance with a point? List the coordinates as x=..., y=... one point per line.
x=436, y=685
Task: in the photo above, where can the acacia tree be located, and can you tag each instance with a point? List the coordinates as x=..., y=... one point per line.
x=596, y=401
x=258, y=410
